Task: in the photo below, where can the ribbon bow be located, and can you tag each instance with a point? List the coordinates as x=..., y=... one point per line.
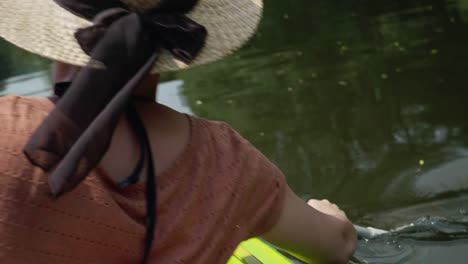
x=174, y=32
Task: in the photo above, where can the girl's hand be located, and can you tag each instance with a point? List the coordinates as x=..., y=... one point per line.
x=328, y=208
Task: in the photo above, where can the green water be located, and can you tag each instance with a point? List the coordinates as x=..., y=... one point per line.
x=361, y=102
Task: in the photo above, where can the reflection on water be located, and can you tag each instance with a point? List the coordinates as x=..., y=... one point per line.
x=362, y=102
x=169, y=93
x=358, y=95
x=32, y=84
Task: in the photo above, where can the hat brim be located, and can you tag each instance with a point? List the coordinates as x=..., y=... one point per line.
x=46, y=29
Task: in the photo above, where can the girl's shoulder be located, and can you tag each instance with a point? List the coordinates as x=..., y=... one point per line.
x=246, y=174
x=219, y=131
x=13, y=104
x=20, y=116
x=220, y=140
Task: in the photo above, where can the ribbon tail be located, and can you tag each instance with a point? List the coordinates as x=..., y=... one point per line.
x=64, y=178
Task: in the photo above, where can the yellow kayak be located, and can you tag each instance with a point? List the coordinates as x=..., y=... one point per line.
x=256, y=251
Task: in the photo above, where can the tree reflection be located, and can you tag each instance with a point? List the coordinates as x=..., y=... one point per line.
x=14, y=61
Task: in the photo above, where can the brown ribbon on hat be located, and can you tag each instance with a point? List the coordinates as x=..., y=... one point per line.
x=124, y=46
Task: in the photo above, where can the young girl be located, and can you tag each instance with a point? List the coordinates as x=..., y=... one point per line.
x=100, y=173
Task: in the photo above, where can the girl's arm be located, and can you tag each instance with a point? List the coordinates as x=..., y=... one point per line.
x=316, y=231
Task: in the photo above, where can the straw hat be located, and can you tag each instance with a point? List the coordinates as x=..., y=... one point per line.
x=45, y=28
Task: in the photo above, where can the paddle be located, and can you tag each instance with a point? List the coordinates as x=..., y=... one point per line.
x=369, y=232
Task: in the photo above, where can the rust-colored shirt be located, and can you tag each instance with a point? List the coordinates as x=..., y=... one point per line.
x=220, y=191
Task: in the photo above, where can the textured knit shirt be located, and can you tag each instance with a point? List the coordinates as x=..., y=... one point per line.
x=220, y=191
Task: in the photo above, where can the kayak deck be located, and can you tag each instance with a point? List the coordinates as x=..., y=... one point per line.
x=256, y=251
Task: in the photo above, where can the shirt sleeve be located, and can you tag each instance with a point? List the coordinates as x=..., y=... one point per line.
x=264, y=190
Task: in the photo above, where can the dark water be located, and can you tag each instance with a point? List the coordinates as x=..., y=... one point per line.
x=361, y=102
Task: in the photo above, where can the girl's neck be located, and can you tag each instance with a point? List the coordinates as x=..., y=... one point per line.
x=147, y=90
